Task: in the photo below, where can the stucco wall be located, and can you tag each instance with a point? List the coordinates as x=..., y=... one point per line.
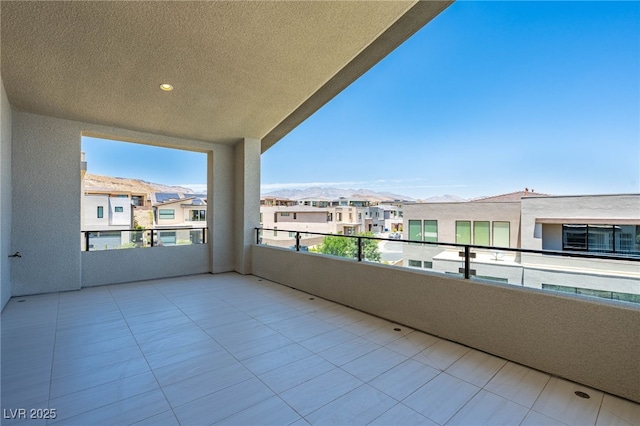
x=581, y=339
x=448, y=213
x=581, y=206
x=5, y=198
x=246, y=200
x=121, y=266
x=46, y=200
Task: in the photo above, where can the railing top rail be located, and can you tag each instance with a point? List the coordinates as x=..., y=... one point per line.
x=146, y=229
x=462, y=246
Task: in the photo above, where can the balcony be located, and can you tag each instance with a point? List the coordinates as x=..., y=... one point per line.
x=234, y=349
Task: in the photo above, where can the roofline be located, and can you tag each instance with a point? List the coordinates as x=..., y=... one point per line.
x=585, y=195
x=419, y=15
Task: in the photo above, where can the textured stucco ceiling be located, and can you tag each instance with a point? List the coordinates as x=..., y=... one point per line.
x=240, y=69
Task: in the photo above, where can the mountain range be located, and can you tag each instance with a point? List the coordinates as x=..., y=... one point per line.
x=335, y=193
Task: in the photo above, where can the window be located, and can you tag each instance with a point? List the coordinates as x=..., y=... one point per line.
x=415, y=231
x=167, y=238
x=427, y=265
x=574, y=237
x=196, y=237
x=198, y=215
x=100, y=212
x=275, y=217
x=415, y=263
x=430, y=231
x=284, y=214
x=481, y=233
x=463, y=232
x=339, y=217
x=602, y=238
x=501, y=234
x=295, y=216
x=166, y=214
x=119, y=209
x=329, y=217
x=137, y=200
x=627, y=297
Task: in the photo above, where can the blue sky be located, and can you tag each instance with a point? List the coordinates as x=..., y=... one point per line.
x=488, y=98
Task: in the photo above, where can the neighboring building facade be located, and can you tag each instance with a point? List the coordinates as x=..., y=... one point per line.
x=595, y=223
x=189, y=214
x=109, y=215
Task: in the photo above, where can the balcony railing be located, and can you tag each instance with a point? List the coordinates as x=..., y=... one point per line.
x=110, y=239
x=612, y=276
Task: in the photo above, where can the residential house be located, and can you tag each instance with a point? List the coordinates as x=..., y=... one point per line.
x=607, y=224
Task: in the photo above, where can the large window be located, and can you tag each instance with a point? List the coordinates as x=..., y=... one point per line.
x=463, y=232
x=481, y=233
x=623, y=239
x=430, y=231
x=501, y=234
x=198, y=215
x=574, y=237
x=167, y=238
x=415, y=230
x=166, y=214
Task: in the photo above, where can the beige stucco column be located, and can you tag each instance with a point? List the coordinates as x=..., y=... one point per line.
x=246, y=211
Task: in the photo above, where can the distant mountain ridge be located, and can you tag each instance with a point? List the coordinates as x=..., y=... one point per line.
x=335, y=193
x=99, y=182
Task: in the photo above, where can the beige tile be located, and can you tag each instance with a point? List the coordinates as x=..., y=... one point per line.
x=476, y=367
x=401, y=415
x=193, y=366
x=403, y=379
x=166, y=418
x=441, y=354
x=618, y=411
x=559, y=402
x=357, y=407
x=224, y=403
x=348, y=351
x=536, y=419
x=518, y=383
x=327, y=340
x=184, y=391
x=295, y=373
x=373, y=364
x=413, y=343
x=123, y=412
x=486, y=408
x=441, y=397
x=76, y=382
x=98, y=396
x=272, y=411
x=319, y=391
x=276, y=358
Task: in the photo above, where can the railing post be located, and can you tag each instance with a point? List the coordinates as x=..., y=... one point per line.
x=467, y=262
x=359, y=249
x=87, y=234
x=297, y=241
x=151, y=238
x=257, y=236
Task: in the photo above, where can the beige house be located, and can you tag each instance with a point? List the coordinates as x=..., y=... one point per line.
x=180, y=221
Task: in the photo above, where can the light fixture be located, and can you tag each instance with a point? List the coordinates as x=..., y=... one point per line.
x=166, y=87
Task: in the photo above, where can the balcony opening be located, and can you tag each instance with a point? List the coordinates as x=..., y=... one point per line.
x=138, y=196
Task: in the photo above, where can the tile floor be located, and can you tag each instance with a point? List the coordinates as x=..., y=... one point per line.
x=239, y=350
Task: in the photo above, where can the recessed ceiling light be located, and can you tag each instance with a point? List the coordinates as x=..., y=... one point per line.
x=166, y=87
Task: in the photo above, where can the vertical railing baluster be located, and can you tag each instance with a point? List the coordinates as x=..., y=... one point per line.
x=297, y=241
x=87, y=235
x=359, y=249
x=467, y=262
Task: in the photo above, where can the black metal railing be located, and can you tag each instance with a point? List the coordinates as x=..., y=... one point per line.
x=110, y=239
x=486, y=258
